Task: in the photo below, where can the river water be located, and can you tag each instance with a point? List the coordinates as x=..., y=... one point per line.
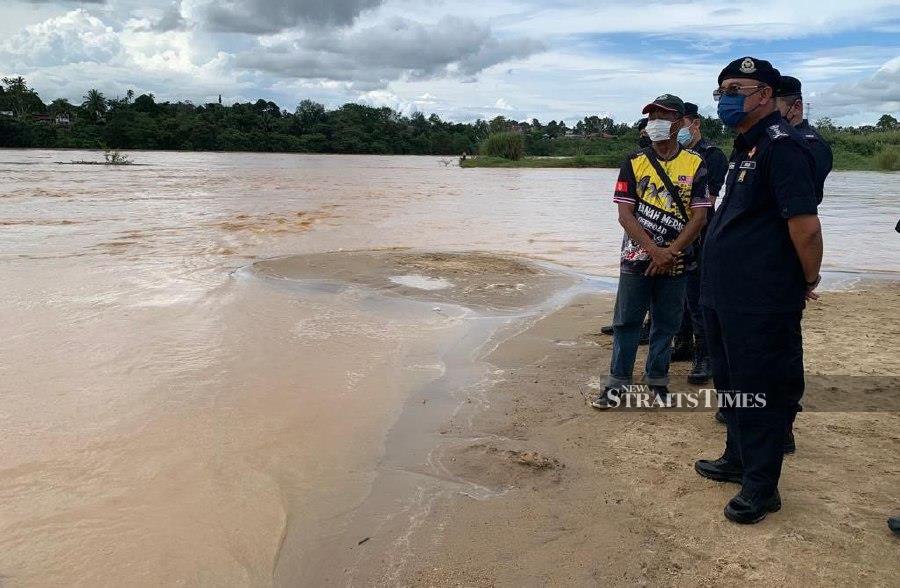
x=167, y=417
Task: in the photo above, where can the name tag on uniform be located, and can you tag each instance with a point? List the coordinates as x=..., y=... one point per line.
x=731, y=165
x=748, y=165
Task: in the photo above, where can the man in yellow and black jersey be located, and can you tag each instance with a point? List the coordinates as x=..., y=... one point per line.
x=658, y=192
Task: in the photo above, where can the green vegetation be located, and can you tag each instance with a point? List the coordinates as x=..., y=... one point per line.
x=866, y=147
x=505, y=145
x=140, y=122
x=576, y=161
x=889, y=159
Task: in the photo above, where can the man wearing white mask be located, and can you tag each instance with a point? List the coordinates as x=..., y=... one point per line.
x=659, y=193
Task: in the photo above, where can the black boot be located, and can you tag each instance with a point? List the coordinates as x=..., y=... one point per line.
x=894, y=525
x=746, y=511
x=700, y=371
x=603, y=401
x=720, y=470
x=607, y=329
x=790, y=446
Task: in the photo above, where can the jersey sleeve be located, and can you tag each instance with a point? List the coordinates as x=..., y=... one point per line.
x=625, y=184
x=717, y=167
x=699, y=195
x=792, y=178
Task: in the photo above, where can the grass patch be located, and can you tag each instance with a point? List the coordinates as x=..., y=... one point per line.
x=504, y=146
x=552, y=162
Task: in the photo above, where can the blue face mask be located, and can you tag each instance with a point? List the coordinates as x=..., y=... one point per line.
x=731, y=109
x=684, y=136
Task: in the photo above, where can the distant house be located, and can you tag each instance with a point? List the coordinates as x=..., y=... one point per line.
x=63, y=119
x=41, y=118
x=6, y=113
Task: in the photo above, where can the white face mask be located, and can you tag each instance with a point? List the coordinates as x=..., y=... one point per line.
x=659, y=130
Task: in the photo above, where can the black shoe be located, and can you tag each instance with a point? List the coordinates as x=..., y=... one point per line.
x=746, y=512
x=700, y=371
x=602, y=401
x=894, y=525
x=607, y=329
x=720, y=417
x=645, y=334
x=720, y=470
x=790, y=446
x=682, y=350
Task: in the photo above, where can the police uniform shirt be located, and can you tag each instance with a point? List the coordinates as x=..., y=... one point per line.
x=749, y=261
x=716, y=165
x=821, y=152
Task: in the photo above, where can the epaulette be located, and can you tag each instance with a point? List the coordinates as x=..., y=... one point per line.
x=778, y=131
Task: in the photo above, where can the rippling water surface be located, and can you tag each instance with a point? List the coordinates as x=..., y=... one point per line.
x=161, y=416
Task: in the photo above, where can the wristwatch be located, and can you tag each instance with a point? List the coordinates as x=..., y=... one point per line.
x=815, y=282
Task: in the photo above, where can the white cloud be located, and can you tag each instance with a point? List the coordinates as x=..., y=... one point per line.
x=71, y=38
x=878, y=93
x=549, y=59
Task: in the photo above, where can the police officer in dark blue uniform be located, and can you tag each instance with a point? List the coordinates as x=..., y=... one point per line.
x=790, y=104
x=789, y=100
x=690, y=343
x=761, y=262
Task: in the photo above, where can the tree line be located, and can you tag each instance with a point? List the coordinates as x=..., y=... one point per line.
x=142, y=122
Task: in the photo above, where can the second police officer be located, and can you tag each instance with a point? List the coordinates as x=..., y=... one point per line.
x=790, y=104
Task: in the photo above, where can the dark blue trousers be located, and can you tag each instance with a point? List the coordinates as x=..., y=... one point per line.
x=663, y=296
x=692, y=325
x=757, y=354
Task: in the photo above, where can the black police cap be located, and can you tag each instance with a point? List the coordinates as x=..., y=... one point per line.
x=753, y=69
x=789, y=86
x=691, y=109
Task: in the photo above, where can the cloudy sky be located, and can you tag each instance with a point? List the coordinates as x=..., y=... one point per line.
x=550, y=59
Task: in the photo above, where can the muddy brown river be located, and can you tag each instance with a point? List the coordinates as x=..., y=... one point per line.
x=172, y=412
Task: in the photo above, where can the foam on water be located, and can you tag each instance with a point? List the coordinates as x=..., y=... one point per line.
x=421, y=282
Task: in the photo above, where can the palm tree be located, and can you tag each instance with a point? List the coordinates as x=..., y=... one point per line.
x=19, y=95
x=59, y=106
x=94, y=103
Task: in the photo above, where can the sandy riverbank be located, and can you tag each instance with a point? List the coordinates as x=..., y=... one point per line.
x=524, y=484
x=590, y=498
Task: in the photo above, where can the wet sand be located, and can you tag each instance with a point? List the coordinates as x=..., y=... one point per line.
x=591, y=498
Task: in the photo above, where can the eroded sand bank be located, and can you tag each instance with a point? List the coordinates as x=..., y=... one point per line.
x=474, y=280
x=589, y=498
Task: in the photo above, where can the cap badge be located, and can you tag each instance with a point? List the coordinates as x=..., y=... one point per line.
x=747, y=66
x=663, y=97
